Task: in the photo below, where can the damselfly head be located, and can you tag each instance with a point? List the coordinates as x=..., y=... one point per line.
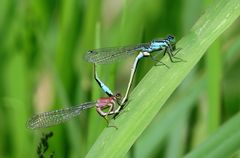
x=89, y=55
x=91, y=52
x=171, y=39
x=118, y=96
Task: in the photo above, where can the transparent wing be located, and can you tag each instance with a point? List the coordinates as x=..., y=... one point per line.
x=107, y=55
x=56, y=117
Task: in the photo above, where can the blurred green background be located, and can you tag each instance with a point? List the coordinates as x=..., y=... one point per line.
x=42, y=45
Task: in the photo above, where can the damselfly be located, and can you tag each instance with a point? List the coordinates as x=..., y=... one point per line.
x=107, y=55
x=56, y=117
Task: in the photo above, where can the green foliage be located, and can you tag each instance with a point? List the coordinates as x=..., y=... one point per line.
x=41, y=51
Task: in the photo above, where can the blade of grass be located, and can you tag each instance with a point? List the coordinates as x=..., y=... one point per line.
x=220, y=144
x=155, y=88
x=177, y=137
x=213, y=64
x=154, y=136
x=16, y=85
x=214, y=73
x=233, y=50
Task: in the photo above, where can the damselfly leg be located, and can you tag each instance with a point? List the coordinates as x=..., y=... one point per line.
x=172, y=56
x=110, y=104
x=158, y=62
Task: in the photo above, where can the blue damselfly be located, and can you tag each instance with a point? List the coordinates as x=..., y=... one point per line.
x=107, y=55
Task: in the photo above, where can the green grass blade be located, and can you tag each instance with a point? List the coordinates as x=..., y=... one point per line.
x=176, y=141
x=16, y=81
x=154, y=135
x=222, y=143
x=214, y=73
x=155, y=88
